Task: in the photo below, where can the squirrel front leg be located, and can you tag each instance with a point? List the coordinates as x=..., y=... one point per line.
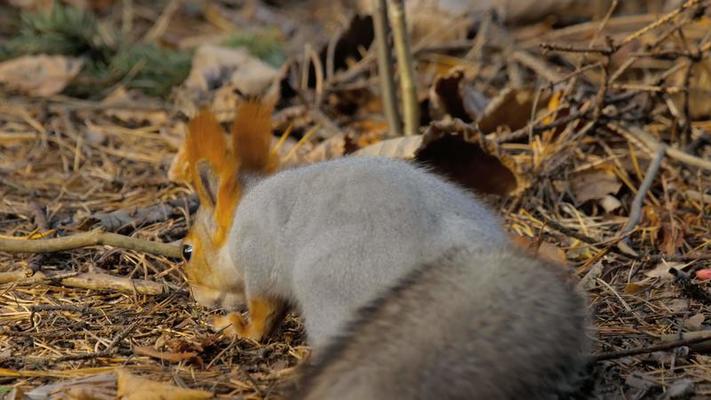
x=264, y=315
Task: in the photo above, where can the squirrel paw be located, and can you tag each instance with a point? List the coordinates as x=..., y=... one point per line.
x=232, y=325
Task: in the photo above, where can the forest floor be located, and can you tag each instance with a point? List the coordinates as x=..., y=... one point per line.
x=588, y=130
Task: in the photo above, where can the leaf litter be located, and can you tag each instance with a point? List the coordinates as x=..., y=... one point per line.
x=548, y=134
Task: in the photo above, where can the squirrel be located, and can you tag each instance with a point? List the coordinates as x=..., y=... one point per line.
x=362, y=248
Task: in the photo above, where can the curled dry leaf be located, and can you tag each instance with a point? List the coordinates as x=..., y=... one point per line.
x=452, y=95
x=40, y=75
x=131, y=387
x=460, y=153
x=454, y=149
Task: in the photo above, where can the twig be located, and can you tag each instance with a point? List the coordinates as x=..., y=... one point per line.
x=650, y=349
x=652, y=143
x=636, y=207
x=87, y=280
x=161, y=24
x=385, y=67
x=410, y=105
x=92, y=238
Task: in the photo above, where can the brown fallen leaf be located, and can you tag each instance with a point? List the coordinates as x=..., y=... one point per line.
x=457, y=151
x=170, y=356
x=333, y=147
x=452, y=95
x=214, y=65
x=39, y=75
x=94, y=387
x=695, y=322
x=512, y=108
x=454, y=149
x=541, y=249
x=402, y=147
x=594, y=184
x=131, y=387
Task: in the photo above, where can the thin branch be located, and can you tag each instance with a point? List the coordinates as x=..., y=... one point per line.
x=92, y=238
x=651, y=349
x=636, y=208
x=385, y=67
x=410, y=105
x=87, y=280
x=650, y=142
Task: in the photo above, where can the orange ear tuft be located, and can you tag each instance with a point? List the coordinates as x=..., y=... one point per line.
x=216, y=186
x=252, y=136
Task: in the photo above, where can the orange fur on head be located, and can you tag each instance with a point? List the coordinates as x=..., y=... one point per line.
x=249, y=151
x=206, y=143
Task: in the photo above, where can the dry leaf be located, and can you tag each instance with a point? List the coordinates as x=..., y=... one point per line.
x=95, y=387
x=544, y=250
x=699, y=90
x=594, y=184
x=695, y=322
x=131, y=387
x=462, y=155
x=512, y=108
x=452, y=95
x=164, y=355
x=215, y=66
x=672, y=238
x=610, y=203
x=661, y=270
x=333, y=147
x=402, y=147
x=679, y=305
x=39, y=75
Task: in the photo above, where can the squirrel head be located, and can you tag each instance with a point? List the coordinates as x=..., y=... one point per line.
x=215, y=166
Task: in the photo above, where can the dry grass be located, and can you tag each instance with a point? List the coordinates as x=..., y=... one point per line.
x=64, y=160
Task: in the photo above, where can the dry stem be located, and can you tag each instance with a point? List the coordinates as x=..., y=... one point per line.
x=92, y=238
x=385, y=67
x=410, y=105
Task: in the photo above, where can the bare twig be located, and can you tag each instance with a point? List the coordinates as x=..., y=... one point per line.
x=88, y=280
x=410, y=105
x=651, y=349
x=385, y=67
x=650, y=142
x=92, y=238
x=636, y=207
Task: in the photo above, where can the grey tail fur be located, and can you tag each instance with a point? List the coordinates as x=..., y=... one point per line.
x=474, y=325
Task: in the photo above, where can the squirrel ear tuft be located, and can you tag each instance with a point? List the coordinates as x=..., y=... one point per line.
x=209, y=159
x=252, y=136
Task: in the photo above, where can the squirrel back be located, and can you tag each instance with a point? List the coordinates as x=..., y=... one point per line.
x=330, y=237
x=484, y=324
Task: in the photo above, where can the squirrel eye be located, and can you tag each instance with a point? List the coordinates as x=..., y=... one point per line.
x=187, y=252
